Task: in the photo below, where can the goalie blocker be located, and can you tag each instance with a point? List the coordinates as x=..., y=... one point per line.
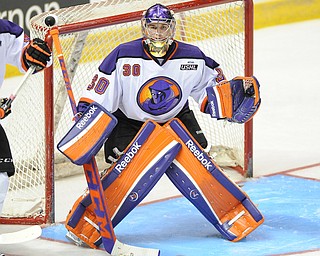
x=88, y=134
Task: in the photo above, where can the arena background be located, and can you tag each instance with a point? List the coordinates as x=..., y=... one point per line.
x=267, y=13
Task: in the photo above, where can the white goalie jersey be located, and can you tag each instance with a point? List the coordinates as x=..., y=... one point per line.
x=129, y=79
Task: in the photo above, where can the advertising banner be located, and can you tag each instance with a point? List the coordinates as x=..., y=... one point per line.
x=20, y=12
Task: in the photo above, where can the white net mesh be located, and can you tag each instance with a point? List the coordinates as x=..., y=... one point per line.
x=217, y=29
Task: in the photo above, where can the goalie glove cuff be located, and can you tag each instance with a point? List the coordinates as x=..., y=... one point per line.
x=214, y=107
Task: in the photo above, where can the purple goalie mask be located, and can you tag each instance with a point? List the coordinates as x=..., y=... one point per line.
x=158, y=28
x=158, y=12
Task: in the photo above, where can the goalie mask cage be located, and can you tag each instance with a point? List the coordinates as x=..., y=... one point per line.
x=223, y=29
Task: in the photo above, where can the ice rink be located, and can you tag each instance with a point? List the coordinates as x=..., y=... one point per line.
x=286, y=183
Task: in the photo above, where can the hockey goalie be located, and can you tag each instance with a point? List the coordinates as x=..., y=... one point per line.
x=144, y=85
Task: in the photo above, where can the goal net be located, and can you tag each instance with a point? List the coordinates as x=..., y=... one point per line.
x=42, y=114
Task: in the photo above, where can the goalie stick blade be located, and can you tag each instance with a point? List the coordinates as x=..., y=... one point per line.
x=21, y=236
x=121, y=249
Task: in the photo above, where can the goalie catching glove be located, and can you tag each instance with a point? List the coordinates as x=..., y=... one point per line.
x=37, y=53
x=236, y=100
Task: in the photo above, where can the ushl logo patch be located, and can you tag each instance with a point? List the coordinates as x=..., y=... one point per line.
x=189, y=67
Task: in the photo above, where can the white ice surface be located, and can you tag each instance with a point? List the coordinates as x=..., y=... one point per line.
x=286, y=128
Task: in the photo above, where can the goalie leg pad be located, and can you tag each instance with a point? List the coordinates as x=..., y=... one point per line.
x=128, y=181
x=202, y=182
x=81, y=228
x=141, y=174
x=88, y=134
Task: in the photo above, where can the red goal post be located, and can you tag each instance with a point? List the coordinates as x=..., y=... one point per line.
x=223, y=29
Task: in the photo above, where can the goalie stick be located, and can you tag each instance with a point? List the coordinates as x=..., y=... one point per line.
x=109, y=240
x=13, y=95
x=21, y=236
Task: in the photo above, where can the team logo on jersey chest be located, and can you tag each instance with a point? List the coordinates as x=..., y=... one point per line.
x=159, y=95
x=189, y=67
